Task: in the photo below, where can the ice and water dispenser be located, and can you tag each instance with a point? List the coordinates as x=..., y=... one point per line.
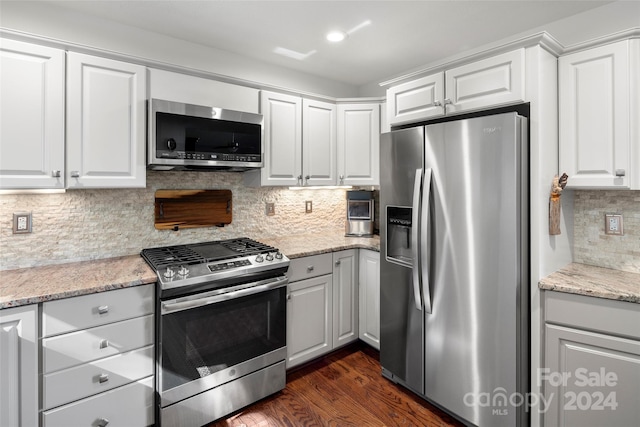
x=360, y=213
x=399, y=235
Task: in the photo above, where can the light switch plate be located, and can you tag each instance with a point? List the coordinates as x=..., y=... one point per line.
x=308, y=206
x=22, y=222
x=613, y=224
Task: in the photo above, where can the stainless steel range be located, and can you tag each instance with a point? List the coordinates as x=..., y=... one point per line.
x=221, y=328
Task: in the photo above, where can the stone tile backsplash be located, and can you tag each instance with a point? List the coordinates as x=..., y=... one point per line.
x=100, y=223
x=591, y=245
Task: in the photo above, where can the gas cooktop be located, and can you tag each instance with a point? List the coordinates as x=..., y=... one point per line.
x=183, y=265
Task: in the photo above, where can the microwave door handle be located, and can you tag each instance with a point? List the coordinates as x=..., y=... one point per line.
x=425, y=242
x=415, y=238
x=195, y=302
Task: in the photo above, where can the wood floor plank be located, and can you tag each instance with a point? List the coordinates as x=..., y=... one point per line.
x=344, y=388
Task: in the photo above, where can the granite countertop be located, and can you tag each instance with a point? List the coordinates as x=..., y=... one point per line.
x=40, y=284
x=582, y=279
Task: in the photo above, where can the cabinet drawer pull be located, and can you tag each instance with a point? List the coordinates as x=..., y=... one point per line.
x=103, y=378
x=104, y=343
x=620, y=172
x=55, y=173
x=102, y=422
x=103, y=309
x=75, y=174
x=310, y=268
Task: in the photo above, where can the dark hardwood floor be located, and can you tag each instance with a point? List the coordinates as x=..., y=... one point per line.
x=344, y=388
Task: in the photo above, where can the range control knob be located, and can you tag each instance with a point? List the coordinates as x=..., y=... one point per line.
x=169, y=273
x=278, y=255
x=259, y=258
x=269, y=257
x=183, y=271
x=172, y=144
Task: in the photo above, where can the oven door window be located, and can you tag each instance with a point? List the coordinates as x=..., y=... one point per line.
x=201, y=341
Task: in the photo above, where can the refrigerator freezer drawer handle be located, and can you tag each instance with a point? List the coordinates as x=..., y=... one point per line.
x=425, y=241
x=415, y=243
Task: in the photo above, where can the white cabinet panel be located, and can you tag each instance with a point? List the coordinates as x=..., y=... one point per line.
x=493, y=81
x=282, y=141
x=416, y=100
x=369, y=296
x=32, y=115
x=72, y=384
x=319, y=143
x=74, y=348
x=359, y=144
x=71, y=314
x=128, y=406
x=106, y=102
x=345, y=297
x=188, y=89
x=309, y=319
x=19, y=366
x=594, y=91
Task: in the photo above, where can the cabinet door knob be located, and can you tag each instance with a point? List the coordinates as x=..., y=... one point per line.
x=104, y=343
x=102, y=422
x=55, y=173
x=620, y=172
x=310, y=268
x=448, y=101
x=75, y=174
x=338, y=262
x=341, y=179
x=288, y=297
x=437, y=104
x=103, y=309
x=103, y=378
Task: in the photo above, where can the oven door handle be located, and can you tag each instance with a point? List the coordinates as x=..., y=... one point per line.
x=199, y=301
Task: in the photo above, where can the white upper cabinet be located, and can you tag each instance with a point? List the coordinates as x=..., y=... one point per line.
x=106, y=102
x=318, y=142
x=282, y=141
x=358, y=144
x=32, y=116
x=416, y=100
x=193, y=90
x=494, y=81
x=598, y=95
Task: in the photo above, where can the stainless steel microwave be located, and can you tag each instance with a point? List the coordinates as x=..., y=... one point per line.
x=193, y=137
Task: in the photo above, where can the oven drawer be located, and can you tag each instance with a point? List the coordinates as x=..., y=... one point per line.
x=75, y=348
x=127, y=406
x=87, y=311
x=310, y=266
x=96, y=377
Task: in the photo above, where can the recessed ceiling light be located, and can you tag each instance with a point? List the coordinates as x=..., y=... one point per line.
x=336, y=36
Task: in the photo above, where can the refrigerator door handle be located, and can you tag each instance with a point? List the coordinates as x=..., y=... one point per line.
x=424, y=242
x=415, y=237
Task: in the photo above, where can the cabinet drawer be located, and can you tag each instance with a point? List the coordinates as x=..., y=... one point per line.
x=75, y=348
x=96, y=377
x=128, y=406
x=310, y=266
x=619, y=318
x=87, y=311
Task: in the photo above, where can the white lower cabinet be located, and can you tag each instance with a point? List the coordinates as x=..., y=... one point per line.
x=591, y=375
x=19, y=366
x=369, y=296
x=345, y=297
x=325, y=302
x=98, y=359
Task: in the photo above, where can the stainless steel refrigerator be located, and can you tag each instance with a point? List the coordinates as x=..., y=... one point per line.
x=454, y=275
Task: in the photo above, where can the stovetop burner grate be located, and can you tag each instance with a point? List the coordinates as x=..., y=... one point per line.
x=200, y=253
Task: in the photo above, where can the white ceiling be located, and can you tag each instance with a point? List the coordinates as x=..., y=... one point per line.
x=402, y=35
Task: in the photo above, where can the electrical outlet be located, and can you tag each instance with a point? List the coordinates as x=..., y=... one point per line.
x=270, y=209
x=613, y=224
x=308, y=206
x=22, y=222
